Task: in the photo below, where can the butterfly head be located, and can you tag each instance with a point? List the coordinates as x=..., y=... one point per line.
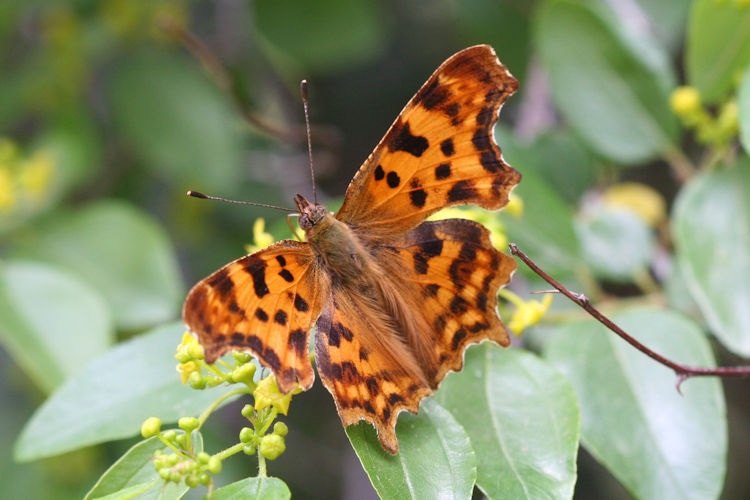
x=310, y=214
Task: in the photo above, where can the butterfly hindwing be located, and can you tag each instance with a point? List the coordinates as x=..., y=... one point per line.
x=439, y=152
x=458, y=273
x=370, y=372
x=264, y=303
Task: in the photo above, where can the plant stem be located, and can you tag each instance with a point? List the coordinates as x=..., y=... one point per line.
x=683, y=372
x=203, y=416
x=230, y=451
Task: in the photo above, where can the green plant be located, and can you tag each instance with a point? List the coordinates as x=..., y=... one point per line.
x=636, y=192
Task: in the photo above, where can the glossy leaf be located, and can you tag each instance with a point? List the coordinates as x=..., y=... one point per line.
x=112, y=397
x=611, y=86
x=50, y=321
x=523, y=421
x=136, y=467
x=258, y=488
x=176, y=120
x=657, y=443
x=718, y=47
x=118, y=250
x=616, y=244
x=665, y=17
x=711, y=221
x=435, y=459
x=302, y=30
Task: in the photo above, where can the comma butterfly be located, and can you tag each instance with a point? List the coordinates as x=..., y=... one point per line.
x=396, y=299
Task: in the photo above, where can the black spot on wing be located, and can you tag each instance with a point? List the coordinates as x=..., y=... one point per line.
x=400, y=138
x=261, y=314
x=393, y=179
x=288, y=277
x=461, y=191
x=443, y=171
x=432, y=95
x=298, y=342
x=257, y=269
x=379, y=173
x=300, y=304
x=280, y=317
x=447, y=147
x=418, y=197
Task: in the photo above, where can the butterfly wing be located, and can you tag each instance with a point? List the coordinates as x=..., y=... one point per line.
x=264, y=303
x=457, y=272
x=366, y=367
x=439, y=152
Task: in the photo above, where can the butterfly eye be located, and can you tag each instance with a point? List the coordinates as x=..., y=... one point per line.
x=304, y=222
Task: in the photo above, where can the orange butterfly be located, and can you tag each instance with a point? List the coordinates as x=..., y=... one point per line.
x=396, y=299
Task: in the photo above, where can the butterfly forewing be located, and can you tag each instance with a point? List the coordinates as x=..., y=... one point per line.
x=264, y=303
x=439, y=152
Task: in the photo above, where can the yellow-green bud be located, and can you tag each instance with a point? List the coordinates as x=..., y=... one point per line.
x=272, y=446
x=249, y=449
x=170, y=435
x=204, y=478
x=214, y=465
x=191, y=481
x=280, y=428
x=244, y=373
x=246, y=434
x=150, y=427
x=175, y=476
x=247, y=411
x=181, y=440
x=183, y=357
x=196, y=381
x=172, y=460
x=188, y=424
x=203, y=457
x=164, y=474
x=241, y=357
x=685, y=101
x=195, y=351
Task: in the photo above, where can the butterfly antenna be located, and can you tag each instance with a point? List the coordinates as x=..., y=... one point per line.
x=303, y=91
x=196, y=194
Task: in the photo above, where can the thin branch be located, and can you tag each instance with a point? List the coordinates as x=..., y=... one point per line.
x=683, y=372
x=294, y=134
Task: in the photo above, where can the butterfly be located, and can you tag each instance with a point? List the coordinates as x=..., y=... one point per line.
x=396, y=299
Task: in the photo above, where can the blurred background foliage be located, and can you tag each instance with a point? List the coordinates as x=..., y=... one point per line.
x=110, y=110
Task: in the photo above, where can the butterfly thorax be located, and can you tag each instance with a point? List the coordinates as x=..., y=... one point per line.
x=342, y=254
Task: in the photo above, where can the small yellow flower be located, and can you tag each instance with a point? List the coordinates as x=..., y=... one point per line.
x=527, y=313
x=184, y=352
x=685, y=101
x=268, y=394
x=261, y=239
x=515, y=205
x=642, y=200
x=186, y=369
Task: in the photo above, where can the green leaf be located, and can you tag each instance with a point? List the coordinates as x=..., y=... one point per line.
x=136, y=490
x=616, y=243
x=51, y=322
x=610, y=86
x=718, y=47
x=435, y=458
x=112, y=397
x=260, y=488
x=301, y=31
x=522, y=418
x=711, y=221
x=656, y=442
x=176, y=120
x=666, y=18
x=743, y=105
x=136, y=468
x=118, y=250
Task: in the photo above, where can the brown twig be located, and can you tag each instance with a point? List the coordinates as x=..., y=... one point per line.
x=683, y=372
x=294, y=133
